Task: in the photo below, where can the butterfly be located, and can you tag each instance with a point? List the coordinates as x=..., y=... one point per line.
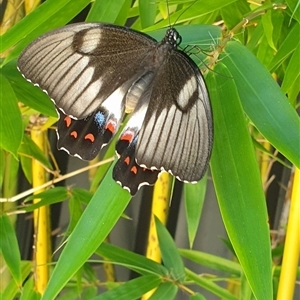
x=95, y=73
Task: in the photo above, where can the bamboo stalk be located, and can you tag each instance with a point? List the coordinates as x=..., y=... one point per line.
x=160, y=209
x=41, y=219
x=292, y=245
x=30, y=5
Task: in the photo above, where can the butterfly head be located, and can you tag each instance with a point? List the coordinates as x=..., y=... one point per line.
x=172, y=37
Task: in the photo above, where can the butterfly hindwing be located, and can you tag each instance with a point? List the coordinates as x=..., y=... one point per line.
x=84, y=138
x=128, y=173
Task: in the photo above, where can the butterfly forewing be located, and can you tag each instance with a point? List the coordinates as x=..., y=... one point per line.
x=81, y=65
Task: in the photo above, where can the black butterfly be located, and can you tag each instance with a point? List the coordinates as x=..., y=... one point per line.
x=95, y=73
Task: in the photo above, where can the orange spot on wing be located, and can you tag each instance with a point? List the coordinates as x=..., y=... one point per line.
x=127, y=136
x=68, y=121
x=74, y=134
x=111, y=127
x=90, y=137
x=127, y=160
x=134, y=170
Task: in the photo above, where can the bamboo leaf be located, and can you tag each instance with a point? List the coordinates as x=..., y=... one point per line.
x=134, y=261
x=147, y=11
x=102, y=213
x=109, y=11
x=11, y=127
x=10, y=249
x=292, y=71
x=212, y=261
x=49, y=15
x=169, y=252
x=210, y=286
x=238, y=184
x=194, y=200
x=264, y=102
x=166, y=291
x=132, y=289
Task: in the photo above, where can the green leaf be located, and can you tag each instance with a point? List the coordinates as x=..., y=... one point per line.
x=266, y=20
x=264, y=52
x=11, y=173
x=255, y=38
x=108, y=11
x=11, y=127
x=233, y=13
x=102, y=213
x=12, y=289
x=134, y=261
x=200, y=8
x=26, y=92
x=209, y=285
x=48, y=197
x=30, y=149
x=169, y=252
x=292, y=71
x=212, y=261
x=2, y=165
x=197, y=296
x=133, y=289
x=294, y=6
x=286, y=47
x=165, y=291
x=238, y=184
x=264, y=102
x=10, y=249
x=147, y=11
x=49, y=15
x=29, y=292
x=194, y=195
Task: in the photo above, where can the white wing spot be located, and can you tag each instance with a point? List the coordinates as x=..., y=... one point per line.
x=186, y=92
x=91, y=40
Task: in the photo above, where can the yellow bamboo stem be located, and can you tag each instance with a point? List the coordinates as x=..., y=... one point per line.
x=13, y=13
x=292, y=245
x=30, y=5
x=160, y=209
x=41, y=220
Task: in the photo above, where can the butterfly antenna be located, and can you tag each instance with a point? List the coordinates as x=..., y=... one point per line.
x=184, y=11
x=168, y=9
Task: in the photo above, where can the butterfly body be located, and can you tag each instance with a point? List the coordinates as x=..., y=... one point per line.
x=95, y=73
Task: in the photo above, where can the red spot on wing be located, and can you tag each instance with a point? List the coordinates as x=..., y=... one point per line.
x=111, y=126
x=127, y=160
x=68, y=121
x=74, y=134
x=90, y=137
x=127, y=136
x=134, y=170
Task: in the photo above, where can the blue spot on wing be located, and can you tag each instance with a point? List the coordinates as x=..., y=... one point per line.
x=100, y=119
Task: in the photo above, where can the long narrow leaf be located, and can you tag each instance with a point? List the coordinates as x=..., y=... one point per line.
x=102, y=213
x=9, y=248
x=264, y=102
x=238, y=184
